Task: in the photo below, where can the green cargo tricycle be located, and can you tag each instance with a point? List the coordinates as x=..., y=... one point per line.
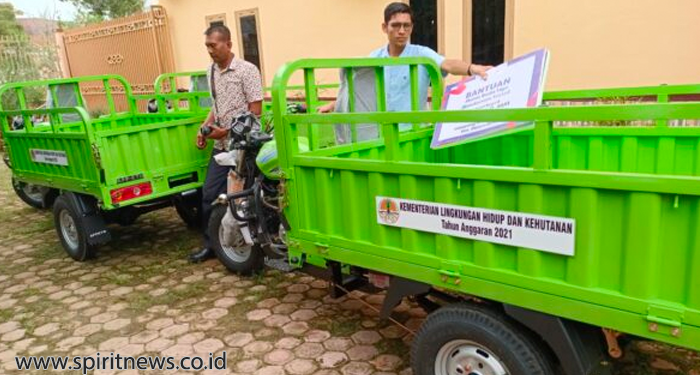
x=106, y=168
x=620, y=182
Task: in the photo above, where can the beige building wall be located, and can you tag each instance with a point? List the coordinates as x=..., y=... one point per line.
x=593, y=43
x=612, y=43
x=451, y=16
x=289, y=30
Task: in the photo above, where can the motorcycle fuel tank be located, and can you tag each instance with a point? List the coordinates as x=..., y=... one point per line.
x=267, y=158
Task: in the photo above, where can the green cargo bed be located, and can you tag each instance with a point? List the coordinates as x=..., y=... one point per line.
x=633, y=191
x=97, y=156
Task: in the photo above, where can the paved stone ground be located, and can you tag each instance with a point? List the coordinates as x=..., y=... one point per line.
x=140, y=297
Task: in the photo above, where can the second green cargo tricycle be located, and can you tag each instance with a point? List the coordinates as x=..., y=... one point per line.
x=105, y=169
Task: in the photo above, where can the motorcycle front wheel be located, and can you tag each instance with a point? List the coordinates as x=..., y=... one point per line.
x=232, y=250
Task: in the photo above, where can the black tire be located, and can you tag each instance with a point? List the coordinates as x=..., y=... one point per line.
x=189, y=208
x=239, y=258
x=34, y=195
x=463, y=335
x=70, y=229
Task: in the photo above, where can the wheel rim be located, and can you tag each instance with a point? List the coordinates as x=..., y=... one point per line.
x=34, y=192
x=463, y=357
x=69, y=230
x=239, y=252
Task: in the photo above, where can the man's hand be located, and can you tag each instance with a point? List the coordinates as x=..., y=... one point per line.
x=201, y=141
x=461, y=68
x=480, y=70
x=217, y=133
x=327, y=108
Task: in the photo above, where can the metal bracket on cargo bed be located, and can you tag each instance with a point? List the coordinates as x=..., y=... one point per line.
x=296, y=258
x=322, y=244
x=665, y=320
x=287, y=175
x=293, y=244
x=449, y=273
x=398, y=289
x=283, y=197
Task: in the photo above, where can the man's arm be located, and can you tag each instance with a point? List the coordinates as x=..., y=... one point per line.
x=210, y=118
x=255, y=107
x=463, y=68
x=209, y=121
x=327, y=108
x=253, y=89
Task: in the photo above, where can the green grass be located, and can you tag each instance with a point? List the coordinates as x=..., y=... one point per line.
x=117, y=277
x=46, y=251
x=29, y=324
x=149, y=271
x=396, y=347
x=34, y=227
x=141, y=301
x=42, y=306
x=30, y=292
x=6, y=215
x=338, y=325
x=6, y=315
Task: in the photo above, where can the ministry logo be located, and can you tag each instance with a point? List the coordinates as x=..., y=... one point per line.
x=388, y=211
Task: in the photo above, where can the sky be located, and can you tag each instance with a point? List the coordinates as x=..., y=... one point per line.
x=54, y=9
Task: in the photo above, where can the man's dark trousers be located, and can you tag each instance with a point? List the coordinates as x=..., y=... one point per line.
x=214, y=185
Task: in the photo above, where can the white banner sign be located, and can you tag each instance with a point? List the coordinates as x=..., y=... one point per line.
x=517, y=83
x=547, y=233
x=49, y=157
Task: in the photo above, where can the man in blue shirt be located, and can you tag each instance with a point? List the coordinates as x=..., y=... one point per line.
x=398, y=26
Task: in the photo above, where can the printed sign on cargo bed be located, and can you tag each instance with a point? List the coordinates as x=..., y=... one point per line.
x=517, y=83
x=49, y=157
x=547, y=233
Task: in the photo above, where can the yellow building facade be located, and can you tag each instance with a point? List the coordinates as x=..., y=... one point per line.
x=593, y=43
